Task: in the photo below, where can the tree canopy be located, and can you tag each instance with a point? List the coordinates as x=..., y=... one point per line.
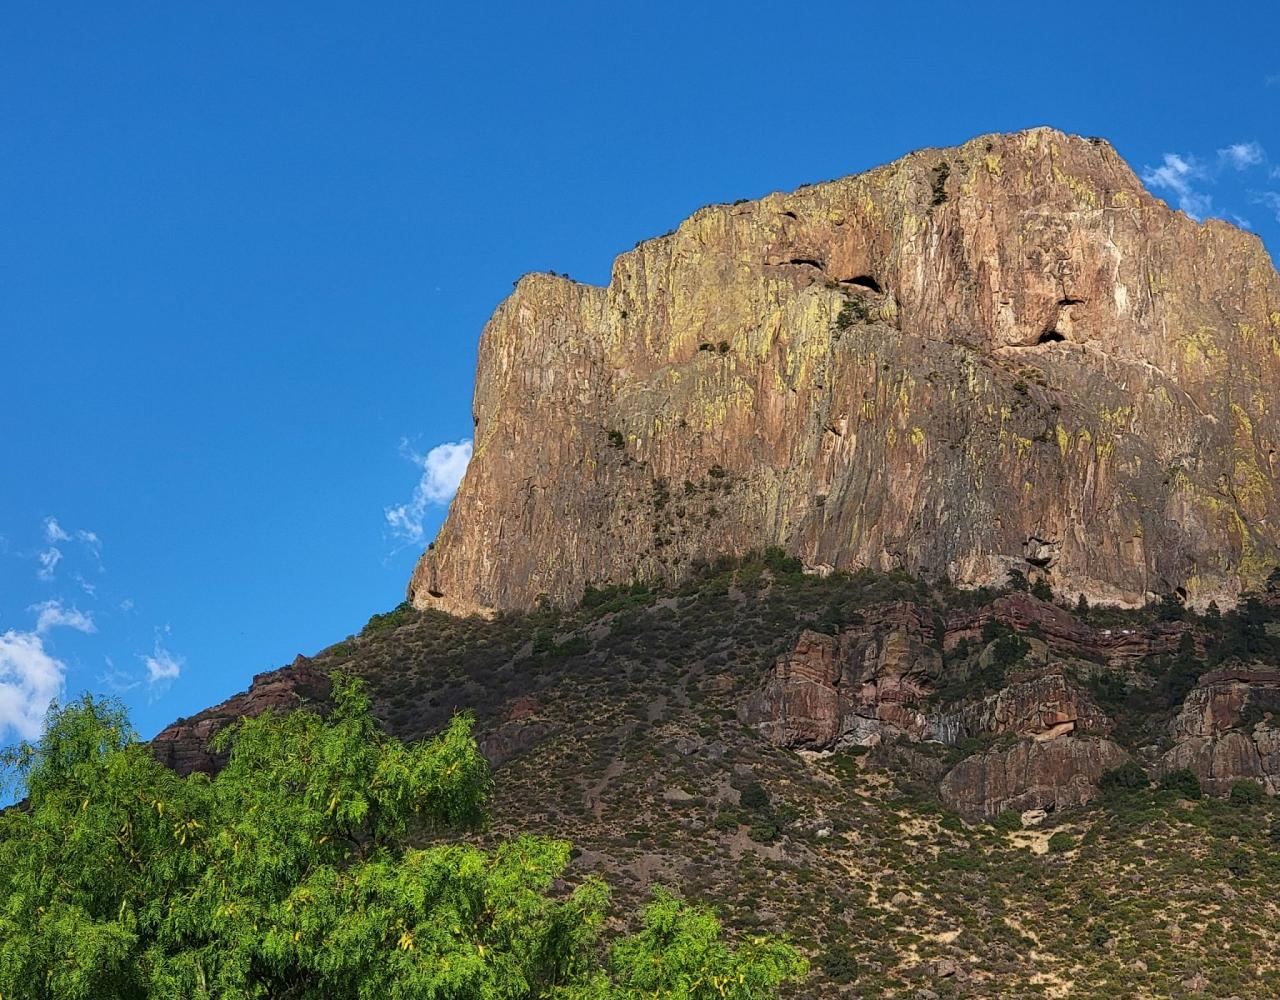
x=293, y=874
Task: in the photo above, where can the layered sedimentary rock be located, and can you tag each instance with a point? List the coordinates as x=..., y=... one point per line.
x=1002, y=355
x=851, y=688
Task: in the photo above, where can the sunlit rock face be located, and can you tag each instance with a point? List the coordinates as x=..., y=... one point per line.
x=1002, y=355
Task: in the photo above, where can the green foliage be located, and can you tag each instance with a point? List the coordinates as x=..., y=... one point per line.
x=616, y=440
x=1244, y=635
x=763, y=832
x=1042, y=590
x=1061, y=842
x=940, y=174
x=840, y=963
x=754, y=797
x=1007, y=820
x=681, y=954
x=852, y=312
x=1128, y=777
x=1246, y=793
x=391, y=620
x=290, y=875
x=1182, y=782
x=1017, y=580
x=1170, y=609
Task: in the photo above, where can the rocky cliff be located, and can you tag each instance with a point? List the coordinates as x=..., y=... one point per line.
x=1006, y=354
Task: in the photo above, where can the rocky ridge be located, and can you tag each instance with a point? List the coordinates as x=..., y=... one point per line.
x=1002, y=355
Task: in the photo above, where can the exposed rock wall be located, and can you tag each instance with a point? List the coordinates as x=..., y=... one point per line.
x=1055, y=774
x=1226, y=730
x=1006, y=354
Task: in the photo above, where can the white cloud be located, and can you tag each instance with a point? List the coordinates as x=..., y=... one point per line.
x=1185, y=176
x=162, y=665
x=29, y=680
x=1180, y=175
x=1272, y=200
x=53, y=531
x=1242, y=155
x=51, y=614
x=49, y=560
x=117, y=681
x=442, y=470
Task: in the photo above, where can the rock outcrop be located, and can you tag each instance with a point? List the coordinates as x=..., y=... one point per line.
x=1002, y=355
x=184, y=745
x=881, y=681
x=1030, y=774
x=1227, y=731
x=851, y=688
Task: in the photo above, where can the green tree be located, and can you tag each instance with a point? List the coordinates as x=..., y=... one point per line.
x=1041, y=589
x=1183, y=782
x=291, y=875
x=680, y=954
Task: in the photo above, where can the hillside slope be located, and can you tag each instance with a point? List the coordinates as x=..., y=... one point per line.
x=846, y=759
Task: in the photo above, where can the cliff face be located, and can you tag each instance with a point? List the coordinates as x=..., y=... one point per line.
x=1002, y=355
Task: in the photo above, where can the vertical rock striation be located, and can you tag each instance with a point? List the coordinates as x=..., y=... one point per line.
x=1002, y=355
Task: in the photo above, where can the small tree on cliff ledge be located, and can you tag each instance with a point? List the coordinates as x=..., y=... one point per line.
x=288, y=876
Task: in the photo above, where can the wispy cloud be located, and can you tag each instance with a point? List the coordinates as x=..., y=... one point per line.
x=1271, y=199
x=163, y=667
x=1181, y=175
x=1242, y=155
x=54, y=535
x=117, y=681
x=30, y=679
x=1186, y=176
x=52, y=614
x=442, y=470
x=48, y=560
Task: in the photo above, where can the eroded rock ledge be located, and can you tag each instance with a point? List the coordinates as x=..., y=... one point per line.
x=1039, y=740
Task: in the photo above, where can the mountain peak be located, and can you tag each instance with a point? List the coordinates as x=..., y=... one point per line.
x=1001, y=355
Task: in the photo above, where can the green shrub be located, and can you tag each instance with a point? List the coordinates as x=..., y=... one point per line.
x=1008, y=819
x=940, y=174
x=755, y=798
x=1245, y=793
x=840, y=963
x=1182, y=781
x=1128, y=777
x=763, y=833
x=853, y=311
x=1239, y=864
x=1061, y=842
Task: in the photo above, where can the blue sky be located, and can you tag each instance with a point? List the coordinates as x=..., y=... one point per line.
x=246, y=251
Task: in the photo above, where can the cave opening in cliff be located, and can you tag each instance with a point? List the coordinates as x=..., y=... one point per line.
x=1051, y=337
x=810, y=261
x=863, y=281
